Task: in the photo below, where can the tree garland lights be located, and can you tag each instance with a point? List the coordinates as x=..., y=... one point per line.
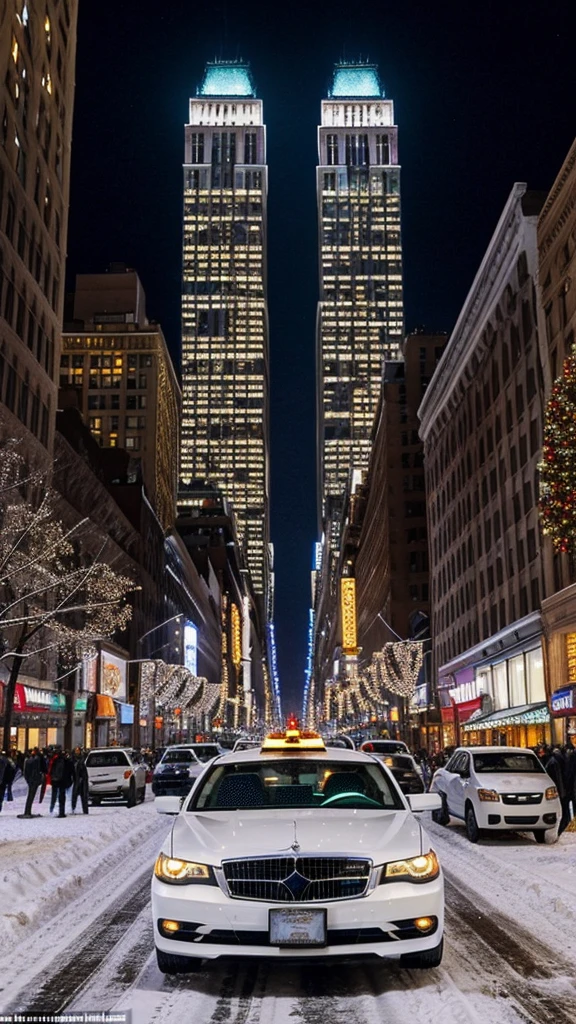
x=558, y=466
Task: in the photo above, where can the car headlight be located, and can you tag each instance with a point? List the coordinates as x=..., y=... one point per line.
x=415, y=869
x=183, y=872
x=488, y=795
x=551, y=793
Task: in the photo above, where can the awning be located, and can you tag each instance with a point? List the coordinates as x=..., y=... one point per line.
x=463, y=710
x=105, y=706
x=526, y=714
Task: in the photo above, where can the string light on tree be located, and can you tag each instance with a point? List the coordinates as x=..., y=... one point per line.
x=558, y=466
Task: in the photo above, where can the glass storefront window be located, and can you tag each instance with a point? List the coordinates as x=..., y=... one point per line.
x=500, y=686
x=517, y=681
x=535, y=671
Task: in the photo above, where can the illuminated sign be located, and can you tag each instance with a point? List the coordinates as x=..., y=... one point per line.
x=113, y=675
x=236, y=635
x=571, y=655
x=563, y=702
x=191, y=647
x=348, y=612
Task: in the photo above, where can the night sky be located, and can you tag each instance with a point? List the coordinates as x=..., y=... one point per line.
x=484, y=96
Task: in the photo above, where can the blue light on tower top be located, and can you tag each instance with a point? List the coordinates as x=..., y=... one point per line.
x=356, y=81
x=227, y=78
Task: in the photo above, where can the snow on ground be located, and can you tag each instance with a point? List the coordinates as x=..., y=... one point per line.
x=48, y=863
x=534, y=885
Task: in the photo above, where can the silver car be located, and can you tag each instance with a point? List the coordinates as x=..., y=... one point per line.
x=116, y=773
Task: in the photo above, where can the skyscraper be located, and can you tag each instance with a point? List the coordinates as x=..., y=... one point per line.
x=360, y=312
x=225, y=433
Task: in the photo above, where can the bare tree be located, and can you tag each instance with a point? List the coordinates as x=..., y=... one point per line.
x=54, y=595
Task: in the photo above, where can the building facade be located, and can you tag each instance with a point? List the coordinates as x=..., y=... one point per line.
x=225, y=431
x=557, y=277
x=116, y=368
x=360, y=312
x=37, y=61
x=481, y=423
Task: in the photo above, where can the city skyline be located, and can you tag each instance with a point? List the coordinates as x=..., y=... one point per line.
x=458, y=167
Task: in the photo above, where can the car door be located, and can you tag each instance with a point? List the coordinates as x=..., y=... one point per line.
x=454, y=788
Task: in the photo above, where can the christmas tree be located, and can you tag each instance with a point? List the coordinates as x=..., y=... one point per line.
x=558, y=467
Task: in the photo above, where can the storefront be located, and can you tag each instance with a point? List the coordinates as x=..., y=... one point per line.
x=105, y=721
x=563, y=706
x=524, y=726
x=39, y=717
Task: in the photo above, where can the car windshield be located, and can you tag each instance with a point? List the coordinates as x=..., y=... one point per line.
x=296, y=783
x=399, y=761
x=206, y=752
x=182, y=756
x=107, y=759
x=502, y=762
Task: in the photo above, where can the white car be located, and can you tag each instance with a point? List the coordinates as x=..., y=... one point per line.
x=176, y=770
x=496, y=788
x=116, y=773
x=246, y=745
x=297, y=851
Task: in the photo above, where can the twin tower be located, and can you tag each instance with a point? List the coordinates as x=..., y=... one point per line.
x=225, y=353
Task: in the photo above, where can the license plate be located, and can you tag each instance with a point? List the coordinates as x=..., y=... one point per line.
x=297, y=927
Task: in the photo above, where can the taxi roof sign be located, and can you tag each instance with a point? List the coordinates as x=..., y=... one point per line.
x=291, y=740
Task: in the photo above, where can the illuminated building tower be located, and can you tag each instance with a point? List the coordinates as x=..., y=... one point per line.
x=360, y=313
x=224, y=311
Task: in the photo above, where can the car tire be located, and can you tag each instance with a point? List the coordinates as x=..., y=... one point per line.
x=472, y=830
x=442, y=816
x=424, y=961
x=171, y=963
x=539, y=835
x=131, y=798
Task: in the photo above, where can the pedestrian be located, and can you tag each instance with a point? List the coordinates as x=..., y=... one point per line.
x=34, y=773
x=62, y=776
x=570, y=777
x=556, y=768
x=80, y=784
x=6, y=776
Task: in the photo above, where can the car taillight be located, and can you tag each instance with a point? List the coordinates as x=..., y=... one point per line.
x=128, y=773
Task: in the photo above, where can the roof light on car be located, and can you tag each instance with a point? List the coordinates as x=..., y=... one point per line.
x=293, y=739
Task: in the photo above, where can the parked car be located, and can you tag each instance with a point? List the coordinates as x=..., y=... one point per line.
x=117, y=773
x=496, y=788
x=176, y=771
x=246, y=745
x=384, y=747
x=207, y=750
x=341, y=741
x=297, y=850
x=406, y=771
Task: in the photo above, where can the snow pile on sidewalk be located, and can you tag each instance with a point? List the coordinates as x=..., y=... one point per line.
x=47, y=862
x=533, y=884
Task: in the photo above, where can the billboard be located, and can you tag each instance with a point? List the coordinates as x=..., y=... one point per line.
x=191, y=647
x=113, y=675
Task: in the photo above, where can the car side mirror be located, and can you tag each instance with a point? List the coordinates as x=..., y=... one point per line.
x=168, y=804
x=464, y=773
x=424, y=802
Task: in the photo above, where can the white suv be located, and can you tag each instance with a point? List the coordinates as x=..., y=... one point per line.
x=497, y=788
x=116, y=773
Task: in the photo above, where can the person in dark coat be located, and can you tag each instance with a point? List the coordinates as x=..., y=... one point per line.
x=556, y=768
x=34, y=771
x=7, y=773
x=62, y=777
x=80, y=784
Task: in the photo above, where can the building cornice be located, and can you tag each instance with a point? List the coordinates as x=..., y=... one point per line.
x=555, y=193
x=498, y=261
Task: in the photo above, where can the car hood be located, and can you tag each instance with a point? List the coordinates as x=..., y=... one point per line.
x=523, y=782
x=213, y=836
x=176, y=766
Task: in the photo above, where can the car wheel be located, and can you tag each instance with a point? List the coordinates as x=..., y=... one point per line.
x=171, y=963
x=539, y=835
x=131, y=799
x=442, y=816
x=424, y=961
x=472, y=830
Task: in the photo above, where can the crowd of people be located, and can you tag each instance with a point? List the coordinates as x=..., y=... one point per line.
x=63, y=771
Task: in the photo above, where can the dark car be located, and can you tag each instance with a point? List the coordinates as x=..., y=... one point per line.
x=406, y=771
x=176, y=772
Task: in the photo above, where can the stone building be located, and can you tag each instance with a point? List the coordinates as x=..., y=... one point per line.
x=557, y=275
x=116, y=368
x=37, y=61
x=481, y=423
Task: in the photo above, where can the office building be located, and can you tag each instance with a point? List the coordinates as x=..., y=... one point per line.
x=224, y=308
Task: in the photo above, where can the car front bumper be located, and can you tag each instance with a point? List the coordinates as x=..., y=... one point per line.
x=518, y=817
x=370, y=925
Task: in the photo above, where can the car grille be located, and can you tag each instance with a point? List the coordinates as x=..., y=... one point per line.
x=521, y=799
x=297, y=879
x=520, y=819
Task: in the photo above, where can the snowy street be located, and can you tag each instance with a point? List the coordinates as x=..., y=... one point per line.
x=76, y=934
